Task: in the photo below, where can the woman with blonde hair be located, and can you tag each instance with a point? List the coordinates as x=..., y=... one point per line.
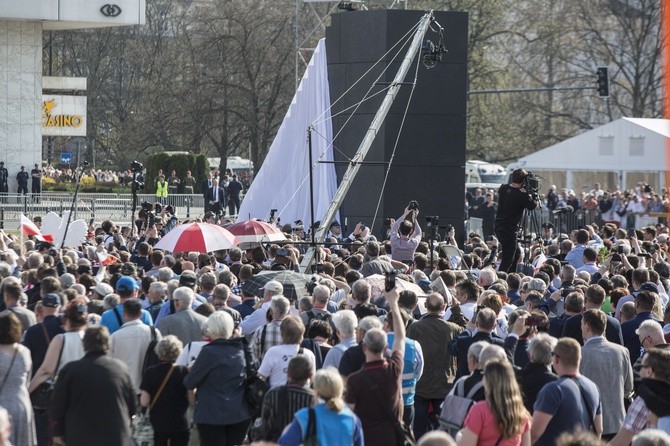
x=330, y=423
x=501, y=419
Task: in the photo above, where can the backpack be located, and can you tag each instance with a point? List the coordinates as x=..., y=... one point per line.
x=455, y=407
x=150, y=357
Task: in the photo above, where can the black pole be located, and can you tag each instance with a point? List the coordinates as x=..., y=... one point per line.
x=311, y=189
x=74, y=202
x=133, y=188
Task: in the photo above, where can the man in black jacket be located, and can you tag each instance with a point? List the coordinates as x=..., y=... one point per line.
x=513, y=199
x=593, y=300
x=102, y=416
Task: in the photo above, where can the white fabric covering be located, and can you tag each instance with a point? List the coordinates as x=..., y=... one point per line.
x=282, y=182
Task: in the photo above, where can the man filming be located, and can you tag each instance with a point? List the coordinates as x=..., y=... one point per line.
x=405, y=235
x=513, y=198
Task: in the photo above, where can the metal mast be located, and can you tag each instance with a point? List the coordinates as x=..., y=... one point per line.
x=368, y=139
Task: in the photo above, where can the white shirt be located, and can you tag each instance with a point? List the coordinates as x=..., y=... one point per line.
x=129, y=345
x=254, y=320
x=276, y=359
x=467, y=309
x=190, y=353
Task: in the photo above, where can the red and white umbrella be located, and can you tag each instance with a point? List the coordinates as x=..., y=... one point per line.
x=256, y=231
x=199, y=237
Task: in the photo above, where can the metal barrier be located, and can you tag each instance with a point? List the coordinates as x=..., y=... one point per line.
x=101, y=207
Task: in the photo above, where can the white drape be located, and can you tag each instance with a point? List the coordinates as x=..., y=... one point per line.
x=282, y=182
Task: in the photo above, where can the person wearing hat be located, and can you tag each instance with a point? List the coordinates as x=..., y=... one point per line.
x=335, y=231
x=4, y=176
x=22, y=181
x=548, y=233
x=98, y=293
x=258, y=317
x=38, y=336
x=126, y=288
x=654, y=390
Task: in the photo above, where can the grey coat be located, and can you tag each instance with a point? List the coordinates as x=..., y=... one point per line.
x=608, y=365
x=219, y=373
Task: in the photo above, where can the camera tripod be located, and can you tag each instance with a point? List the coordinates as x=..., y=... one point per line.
x=529, y=225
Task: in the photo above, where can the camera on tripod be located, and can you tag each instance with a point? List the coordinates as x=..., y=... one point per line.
x=136, y=167
x=432, y=223
x=532, y=183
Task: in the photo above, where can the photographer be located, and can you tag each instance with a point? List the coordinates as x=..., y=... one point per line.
x=513, y=199
x=405, y=235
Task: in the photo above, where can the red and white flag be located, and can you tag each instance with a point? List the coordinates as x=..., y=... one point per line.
x=29, y=228
x=539, y=261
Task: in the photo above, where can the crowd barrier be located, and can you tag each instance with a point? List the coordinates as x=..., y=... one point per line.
x=117, y=207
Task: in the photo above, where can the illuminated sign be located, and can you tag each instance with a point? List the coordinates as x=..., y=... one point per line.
x=63, y=115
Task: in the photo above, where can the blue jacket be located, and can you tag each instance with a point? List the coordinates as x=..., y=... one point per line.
x=332, y=428
x=218, y=373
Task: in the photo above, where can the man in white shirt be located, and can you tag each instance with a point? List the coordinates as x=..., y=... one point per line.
x=130, y=342
x=258, y=317
x=275, y=361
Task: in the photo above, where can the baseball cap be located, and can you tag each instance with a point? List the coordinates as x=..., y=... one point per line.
x=51, y=300
x=335, y=223
x=649, y=286
x=274, y=286
x=126, y=284
x=103, y=289
x=188, y=278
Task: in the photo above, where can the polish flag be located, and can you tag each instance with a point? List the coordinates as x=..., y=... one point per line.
x=539, y=261
x=29, y=228
x=106, y=259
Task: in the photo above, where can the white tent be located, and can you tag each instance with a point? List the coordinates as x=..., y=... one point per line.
x=620, y=153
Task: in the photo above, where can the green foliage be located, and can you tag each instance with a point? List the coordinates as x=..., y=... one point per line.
x=100, y=188
x=179, y=162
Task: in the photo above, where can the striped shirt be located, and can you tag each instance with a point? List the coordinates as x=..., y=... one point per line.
x=279, y=406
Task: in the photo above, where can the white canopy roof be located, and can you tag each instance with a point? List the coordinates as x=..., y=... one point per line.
x=627, y=144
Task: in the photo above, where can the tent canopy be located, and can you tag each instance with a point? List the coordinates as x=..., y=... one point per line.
x=619, y=153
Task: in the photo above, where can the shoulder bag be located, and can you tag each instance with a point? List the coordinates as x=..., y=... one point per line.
x=41, y=396
x=310, y=436
x=143, y=431
x=404, y=434
x=255, y=388
x=11, y=364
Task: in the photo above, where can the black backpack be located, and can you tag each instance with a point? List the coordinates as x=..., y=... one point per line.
x=150, y=357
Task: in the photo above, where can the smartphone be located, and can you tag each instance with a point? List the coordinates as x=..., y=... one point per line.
x=91, y=221
x=389, y=280
x=619, y=249
x=631, y=233
x=533, y=320
x=282, y=252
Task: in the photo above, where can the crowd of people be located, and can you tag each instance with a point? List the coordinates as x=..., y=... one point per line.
x=620, y=207
x=447, y=349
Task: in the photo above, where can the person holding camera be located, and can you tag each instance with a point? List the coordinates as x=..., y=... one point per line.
x=406, y=235
x=513, y=199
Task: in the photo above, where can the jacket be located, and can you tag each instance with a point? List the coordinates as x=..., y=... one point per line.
x=85, y=389
x=219, y=374
x=434, y=334
x=608, y=365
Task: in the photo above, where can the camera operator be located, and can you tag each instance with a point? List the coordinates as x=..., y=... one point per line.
x=513, y=199
x=405, y=236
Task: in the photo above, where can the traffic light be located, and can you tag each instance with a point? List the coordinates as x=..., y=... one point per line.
x=603, y=82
